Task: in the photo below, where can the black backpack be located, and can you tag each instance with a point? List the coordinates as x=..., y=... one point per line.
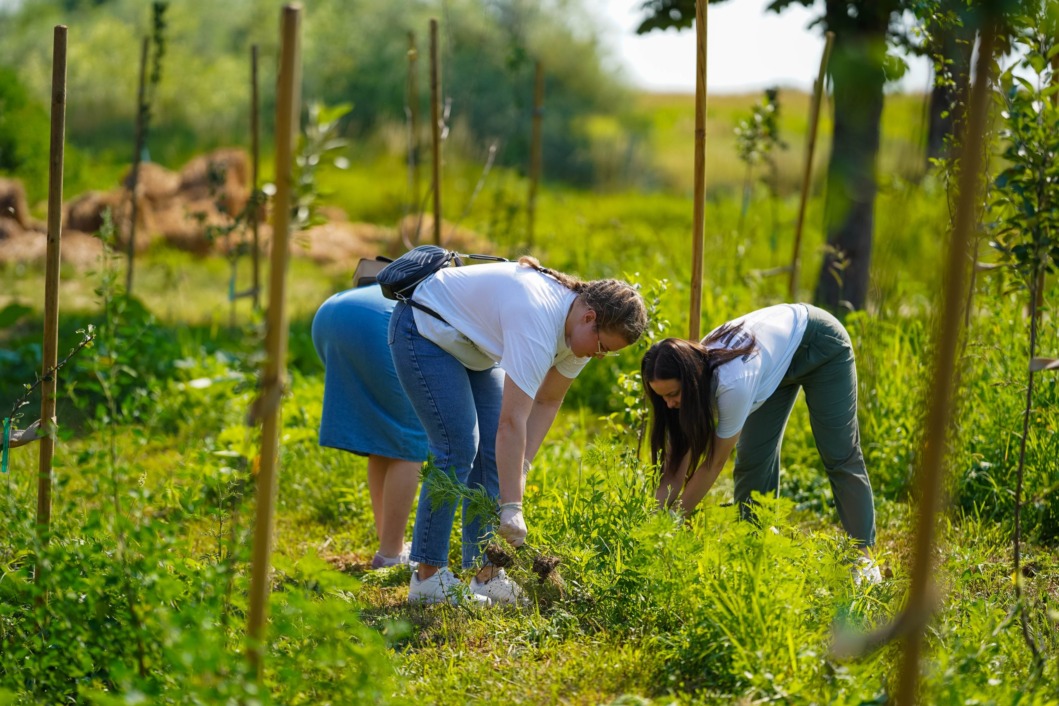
x=399, y=279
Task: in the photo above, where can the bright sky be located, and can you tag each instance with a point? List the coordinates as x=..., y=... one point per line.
x=747, y=49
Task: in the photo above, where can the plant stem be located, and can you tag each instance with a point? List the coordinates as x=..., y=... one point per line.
x=1023, y=617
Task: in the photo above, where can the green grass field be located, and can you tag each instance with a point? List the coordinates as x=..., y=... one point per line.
x=146, y=573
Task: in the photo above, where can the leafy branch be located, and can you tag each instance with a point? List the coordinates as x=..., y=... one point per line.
x=443, y=488
x=87, y=336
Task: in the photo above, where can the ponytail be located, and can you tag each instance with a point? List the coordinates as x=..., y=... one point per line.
x=619, y=307
x=568, y=281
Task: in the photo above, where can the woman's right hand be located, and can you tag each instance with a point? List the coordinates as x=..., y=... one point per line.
x=512, y=524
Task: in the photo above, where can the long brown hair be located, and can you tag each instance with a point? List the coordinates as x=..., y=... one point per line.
x=689, y=429
x=619, y=307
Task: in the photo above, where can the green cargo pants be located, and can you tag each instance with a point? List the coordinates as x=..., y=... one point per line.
x=824, y=367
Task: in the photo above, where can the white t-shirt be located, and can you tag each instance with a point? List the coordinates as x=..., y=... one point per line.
x=745, y=383
x=500, y=313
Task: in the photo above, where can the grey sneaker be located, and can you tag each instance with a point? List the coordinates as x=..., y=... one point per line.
x=381, y=561
x=442, y=587
x=499, y=590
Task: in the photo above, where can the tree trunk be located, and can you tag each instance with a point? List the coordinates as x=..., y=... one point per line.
x=951, y=58
x=857, y=72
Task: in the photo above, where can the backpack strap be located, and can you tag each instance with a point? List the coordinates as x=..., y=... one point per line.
x=424, y=308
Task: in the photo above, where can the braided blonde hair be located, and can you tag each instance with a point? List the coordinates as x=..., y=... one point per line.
x=619, y=307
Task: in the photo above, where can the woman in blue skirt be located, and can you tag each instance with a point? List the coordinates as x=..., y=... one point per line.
x=366, y=412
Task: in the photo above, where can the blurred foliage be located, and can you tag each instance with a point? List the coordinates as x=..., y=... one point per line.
x=353, y=52
x=24, y=134
x=1024, y=220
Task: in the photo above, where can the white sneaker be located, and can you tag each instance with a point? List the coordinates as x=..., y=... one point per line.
x=442, y=587
x=381, y=561
x=499, y=589
x=866, y=571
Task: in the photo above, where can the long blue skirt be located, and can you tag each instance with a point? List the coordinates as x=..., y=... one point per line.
x=365, y=410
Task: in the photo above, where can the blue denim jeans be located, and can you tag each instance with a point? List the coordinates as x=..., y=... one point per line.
x=460, y=410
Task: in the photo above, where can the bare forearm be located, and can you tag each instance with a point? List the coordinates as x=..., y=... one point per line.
x=670, y=483
x=510, y=451
x=706, y=475
x=540, y=421
x=668, y=489
x=699, y=485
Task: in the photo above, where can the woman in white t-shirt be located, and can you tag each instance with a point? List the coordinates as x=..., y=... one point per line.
x=735, y=391
x=486, y=353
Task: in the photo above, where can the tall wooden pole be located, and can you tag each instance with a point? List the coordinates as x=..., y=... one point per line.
x=272, y=383
x=413, y=121
x=134, y=176
x=807, y=171
x=49, y=374
x=535, y=151
x=435, y=119
x=939, y=417
x=255, y=178
x=699, y=213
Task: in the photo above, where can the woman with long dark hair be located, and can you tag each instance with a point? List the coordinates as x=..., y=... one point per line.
x=734, y=391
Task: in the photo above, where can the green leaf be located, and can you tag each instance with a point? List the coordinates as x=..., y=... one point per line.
x=1036, y=62
x=1029, y=87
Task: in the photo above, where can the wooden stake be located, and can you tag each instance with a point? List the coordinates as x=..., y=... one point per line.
x=699, y=213
x=807, y=172
x=932, y=470
x=255, y=179
x=134, y=176
x=435, y=119
x=413, y=122
x=535, y=151
x=273, y=379
x=49, y=375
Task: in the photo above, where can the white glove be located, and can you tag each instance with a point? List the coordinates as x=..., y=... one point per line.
x=512, y=524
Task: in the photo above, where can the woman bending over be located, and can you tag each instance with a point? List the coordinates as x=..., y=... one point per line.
x=735, y=391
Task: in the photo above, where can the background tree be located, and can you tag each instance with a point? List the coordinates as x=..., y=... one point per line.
x=858, y=70
x=23, y=133
x=949, y=42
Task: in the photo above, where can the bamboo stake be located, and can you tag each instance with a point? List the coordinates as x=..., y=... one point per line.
x=268, y=405
x=134, y=177
x=699, y=212
x=255, y=157
x=413, y=121
x=435, y=119
x=947, y=335
x=535, y=151
x=50, y=356
x=807, y=172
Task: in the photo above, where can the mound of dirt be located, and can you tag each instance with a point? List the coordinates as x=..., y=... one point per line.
x=156, y=183
x=13, y=202
x=188, y=209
